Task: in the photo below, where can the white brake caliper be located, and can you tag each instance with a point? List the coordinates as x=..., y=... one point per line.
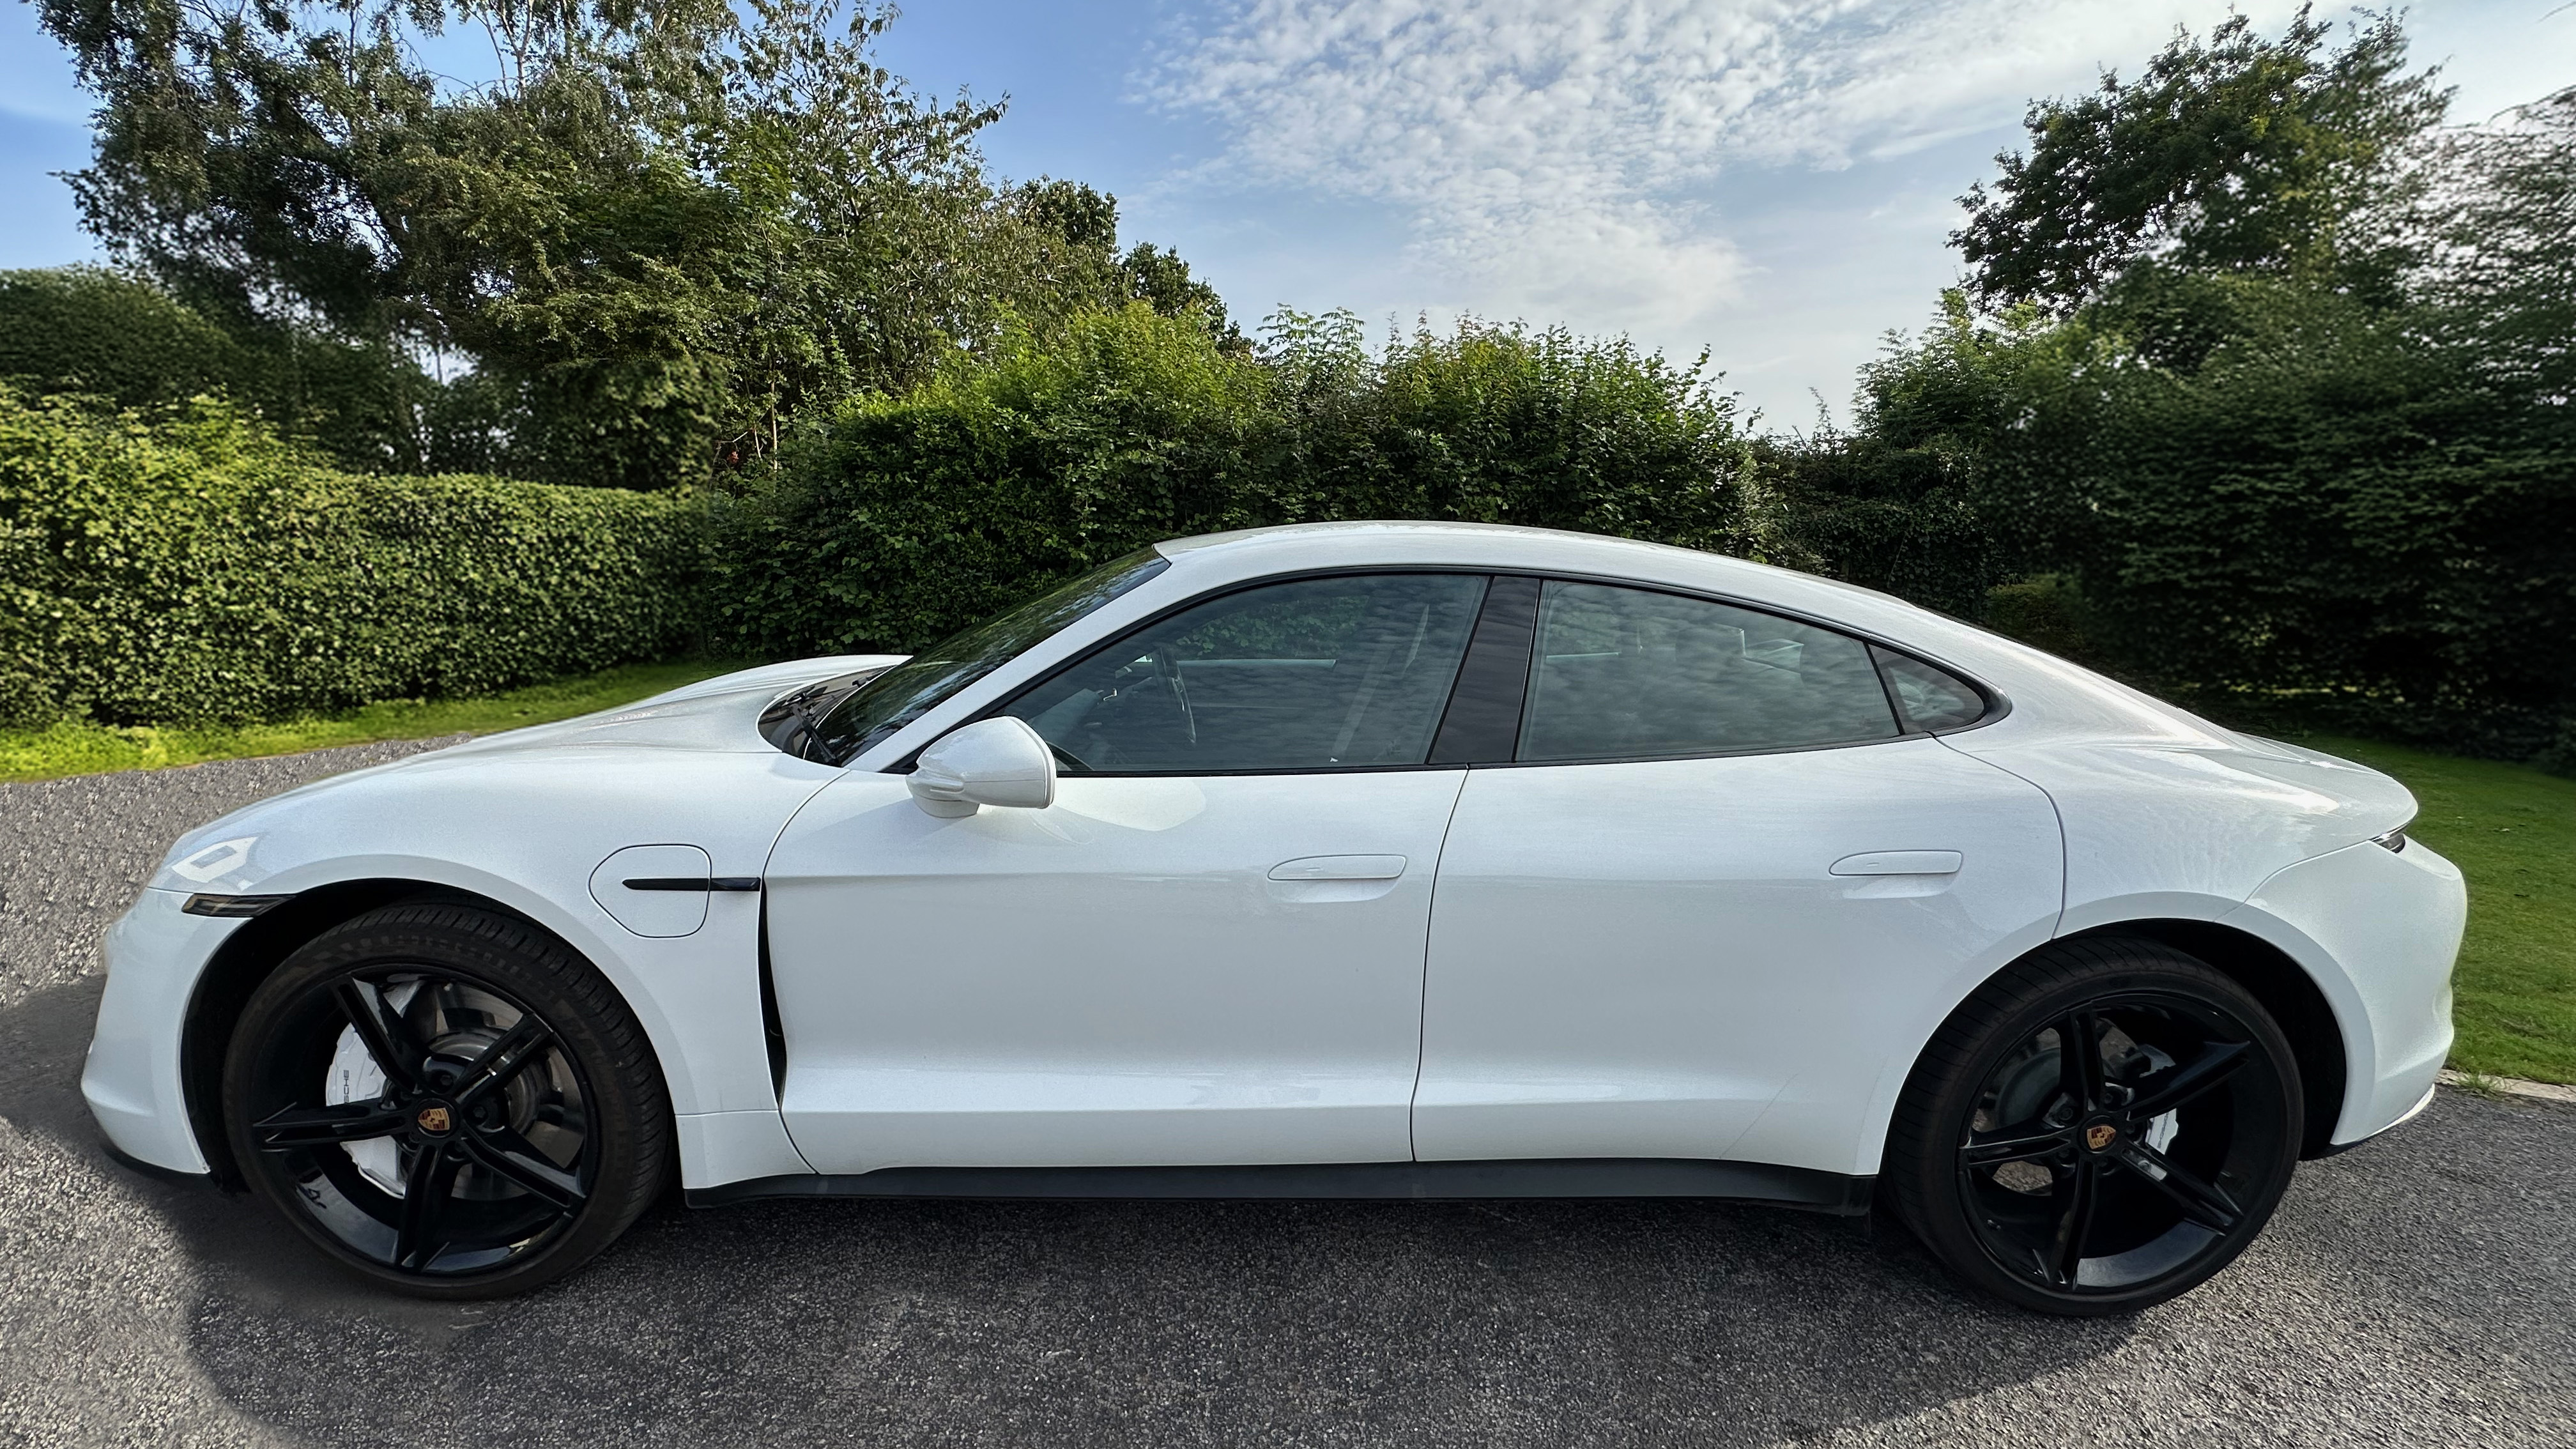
x=355, y=1076
x=2160, y=1132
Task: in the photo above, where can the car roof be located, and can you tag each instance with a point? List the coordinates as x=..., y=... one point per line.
x=1382, y=543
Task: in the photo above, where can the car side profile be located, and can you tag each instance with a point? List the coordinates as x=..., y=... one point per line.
x=1398, y=860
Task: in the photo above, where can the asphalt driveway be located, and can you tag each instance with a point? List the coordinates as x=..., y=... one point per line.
x=2421, y=1290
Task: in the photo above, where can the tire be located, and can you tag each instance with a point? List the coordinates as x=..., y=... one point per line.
x=2118, y=1178
x=499, y=1122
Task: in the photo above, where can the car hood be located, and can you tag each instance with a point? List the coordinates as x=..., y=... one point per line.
x=722, y=713
x=601, y=765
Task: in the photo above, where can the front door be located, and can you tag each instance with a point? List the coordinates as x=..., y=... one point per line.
x=1208, y=951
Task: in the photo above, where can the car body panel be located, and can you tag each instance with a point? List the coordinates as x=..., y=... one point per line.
x=1154, y=971
x=131, y=1076
x=521, y=819
x=1655, y=958
x=2364, y=921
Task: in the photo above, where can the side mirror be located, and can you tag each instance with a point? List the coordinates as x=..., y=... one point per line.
x=999, y=761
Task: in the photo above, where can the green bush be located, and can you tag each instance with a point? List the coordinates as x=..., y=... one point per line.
x=902, y=518
x=187, y=566
x=2045, y=611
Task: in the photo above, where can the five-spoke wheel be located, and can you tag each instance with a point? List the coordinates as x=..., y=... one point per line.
x=446, y=1099
x=2102, y=1127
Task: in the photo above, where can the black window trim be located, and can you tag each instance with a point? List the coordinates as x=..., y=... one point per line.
x=1490, y=697
x=1998, y=704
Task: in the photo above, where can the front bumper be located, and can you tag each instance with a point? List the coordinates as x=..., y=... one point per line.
x=132, y=1080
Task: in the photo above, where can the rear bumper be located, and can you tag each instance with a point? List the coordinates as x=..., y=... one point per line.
x=132, y=1079
x=2379, y=931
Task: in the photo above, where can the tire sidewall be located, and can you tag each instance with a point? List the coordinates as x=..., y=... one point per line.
x=1940, y=1098
x=628, y=1121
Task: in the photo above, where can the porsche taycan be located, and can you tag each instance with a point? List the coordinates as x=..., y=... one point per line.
x=1387, y=860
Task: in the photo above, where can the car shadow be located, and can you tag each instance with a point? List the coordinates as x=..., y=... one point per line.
x=1055, y=1323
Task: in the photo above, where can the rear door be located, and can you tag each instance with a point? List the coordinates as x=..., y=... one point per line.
x=1705, y=910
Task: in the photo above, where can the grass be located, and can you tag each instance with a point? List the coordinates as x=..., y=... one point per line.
x=2512, y=831
x=81, y=749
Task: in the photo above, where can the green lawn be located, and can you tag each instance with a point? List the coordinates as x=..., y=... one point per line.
x=2512, y=831
x=81, y=749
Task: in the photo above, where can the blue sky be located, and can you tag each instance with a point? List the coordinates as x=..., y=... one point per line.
x=1767, y=180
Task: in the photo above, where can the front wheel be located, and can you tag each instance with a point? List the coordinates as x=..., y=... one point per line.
x=446, y=1100
x=2100, y=1128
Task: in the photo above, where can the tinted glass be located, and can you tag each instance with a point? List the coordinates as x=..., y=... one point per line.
x=911, y=689
x=1309, y=675
x=1625, y=673
x=1930, y=698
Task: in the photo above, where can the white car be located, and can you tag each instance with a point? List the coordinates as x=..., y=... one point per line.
x=1367, y=860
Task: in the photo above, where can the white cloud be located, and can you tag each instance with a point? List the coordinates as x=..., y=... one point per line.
x=1552, y=159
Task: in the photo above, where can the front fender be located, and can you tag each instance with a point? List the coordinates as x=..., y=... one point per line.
x=524, y=830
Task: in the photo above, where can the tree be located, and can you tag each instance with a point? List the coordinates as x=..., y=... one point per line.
x=2499, y=267
x=2240, y=154
x=120, y=340
x=1090, y=264
x=663, y=227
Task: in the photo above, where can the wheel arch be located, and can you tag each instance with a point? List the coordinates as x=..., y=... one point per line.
x=2285, y=989
x=248, y=956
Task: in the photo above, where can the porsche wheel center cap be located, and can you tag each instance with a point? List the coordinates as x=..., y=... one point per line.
x=2100, y=1136
x=434, y=1119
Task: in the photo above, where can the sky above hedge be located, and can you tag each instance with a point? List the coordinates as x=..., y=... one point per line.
x=1772, y=181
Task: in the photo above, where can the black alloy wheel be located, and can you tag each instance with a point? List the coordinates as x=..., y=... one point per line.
x=447, y=1100
x=2101, y=1128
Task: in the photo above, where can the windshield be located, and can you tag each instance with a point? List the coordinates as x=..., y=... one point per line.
x=911, y=689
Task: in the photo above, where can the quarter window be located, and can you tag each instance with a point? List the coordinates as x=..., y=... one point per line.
x=1930, y=698
x=1331, y=673
x=1627, y=673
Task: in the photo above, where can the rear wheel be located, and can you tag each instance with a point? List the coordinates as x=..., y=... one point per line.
x=447, y=1100
x=2099, y=1129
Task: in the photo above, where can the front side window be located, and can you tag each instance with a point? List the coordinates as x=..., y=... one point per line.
x=1345, y=672
x=1629, y=673
x=913, y=688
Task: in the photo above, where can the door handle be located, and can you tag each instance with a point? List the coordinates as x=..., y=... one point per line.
x=1339, y=867
x=1899, y=862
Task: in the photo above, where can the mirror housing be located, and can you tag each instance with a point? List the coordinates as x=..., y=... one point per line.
x=998, y=761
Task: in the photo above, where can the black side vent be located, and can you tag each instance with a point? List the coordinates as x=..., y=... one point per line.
x=769, y=1023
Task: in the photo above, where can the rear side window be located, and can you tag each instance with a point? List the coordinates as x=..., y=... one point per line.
x=1929, y=697
x=1626, y=673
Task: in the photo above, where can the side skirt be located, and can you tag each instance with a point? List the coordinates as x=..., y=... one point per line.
x=1798, y=1187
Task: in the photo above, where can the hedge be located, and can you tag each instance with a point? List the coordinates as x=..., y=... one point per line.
x=2323, y=520
x=185, y=565
x=2287, y=508
x=900, y=519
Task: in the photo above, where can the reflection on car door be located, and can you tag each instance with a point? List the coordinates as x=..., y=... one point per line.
x=1643, y=957
x=1208, y=951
